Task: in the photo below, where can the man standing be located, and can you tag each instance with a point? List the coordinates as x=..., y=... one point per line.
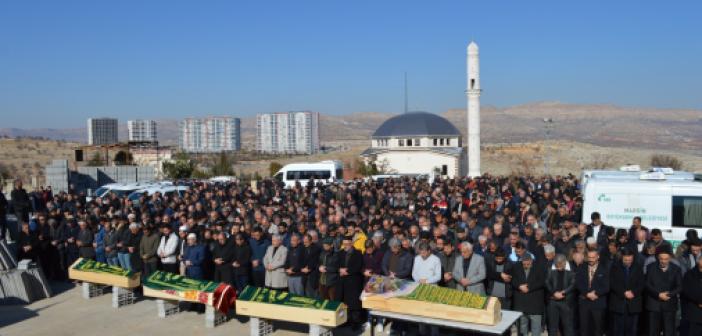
x=274, y=262
x=426, y=270
x=328, y=270
x=397, y=263
x=692, y=291
x=663, y=284
x=85, y=241
x=223, y=255
x=3, y=214
x=350, y=285
x=259, y=246
x=469, y=270
x=560, y=284
x=528, y=283
x=310, y=272
x=499, y=275
x=625, y=301
x=447, y=256
x=148, y=246
x=294, y=264
x=194, y=258
x=21, y=205
x=168, y=249
x=597, y=229
x=110, y=244
x=592, y=281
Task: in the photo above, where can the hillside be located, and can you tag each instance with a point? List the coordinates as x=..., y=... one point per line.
x=602, y=125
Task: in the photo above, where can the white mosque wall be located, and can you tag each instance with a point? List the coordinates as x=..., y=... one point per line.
x=418, y=162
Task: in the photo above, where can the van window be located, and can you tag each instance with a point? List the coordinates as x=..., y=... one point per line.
x=308, y=174
x=278, y=176
x=339, y=174
x=687, y=211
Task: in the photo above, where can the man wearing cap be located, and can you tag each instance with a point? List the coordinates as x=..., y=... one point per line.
x=182, y=244
x=168, y=249
x=663, y=284
x=560, y=289
x=194, y=258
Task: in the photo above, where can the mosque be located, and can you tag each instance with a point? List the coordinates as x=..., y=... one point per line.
x=426, y=143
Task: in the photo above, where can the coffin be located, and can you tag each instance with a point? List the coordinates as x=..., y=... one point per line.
x=207, y=298
x=277, y=305
x=175, y=287
x=104, y=274
x=490, y=315
x=411, y=298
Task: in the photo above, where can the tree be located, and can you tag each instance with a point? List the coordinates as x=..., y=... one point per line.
x=663, y=160
x=96, y=160
x=123, y=158
x=179, y=167
x=274, y=167
x=223, y=166
x=366, y=169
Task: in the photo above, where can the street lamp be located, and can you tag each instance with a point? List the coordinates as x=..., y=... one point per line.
x=548, y=127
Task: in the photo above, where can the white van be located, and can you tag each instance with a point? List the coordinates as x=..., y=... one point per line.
x=321, y=172
x=165, y=190
x=667, y=200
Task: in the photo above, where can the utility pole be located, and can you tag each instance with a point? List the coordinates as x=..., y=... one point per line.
x=548, y=127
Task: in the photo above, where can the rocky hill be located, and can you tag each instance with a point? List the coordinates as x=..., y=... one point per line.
x=602, y=125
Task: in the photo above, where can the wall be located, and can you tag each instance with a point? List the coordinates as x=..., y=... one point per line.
x=418, y=162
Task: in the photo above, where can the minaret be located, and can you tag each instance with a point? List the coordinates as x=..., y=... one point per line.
x=473, y=93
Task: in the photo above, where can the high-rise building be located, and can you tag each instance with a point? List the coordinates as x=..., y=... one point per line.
x=142, y=130
x=210, y=134
x=288, y=132
x=102, y=131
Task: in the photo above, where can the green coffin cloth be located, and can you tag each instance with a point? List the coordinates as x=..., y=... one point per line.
x=449, y=296
x=164, y=281
x=88, y=265
x=265, y=295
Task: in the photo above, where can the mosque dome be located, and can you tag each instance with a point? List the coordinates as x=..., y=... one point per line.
x=416, y=124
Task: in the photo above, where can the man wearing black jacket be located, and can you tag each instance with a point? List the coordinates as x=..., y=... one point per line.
x=350, y=283
x=625, y=297
x=592, y=282
x=223, y=256
x=310, y=271
x=663, y=284
x=499, y=276
x=3, y=214
x=293, y=266
x=560, y=287
x=692, y=291
x=21, y=205
x=528, y=282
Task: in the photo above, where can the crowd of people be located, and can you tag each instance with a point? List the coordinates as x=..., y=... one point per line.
x=524, y=240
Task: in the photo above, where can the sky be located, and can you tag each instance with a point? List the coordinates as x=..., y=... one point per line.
x=64, y=61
